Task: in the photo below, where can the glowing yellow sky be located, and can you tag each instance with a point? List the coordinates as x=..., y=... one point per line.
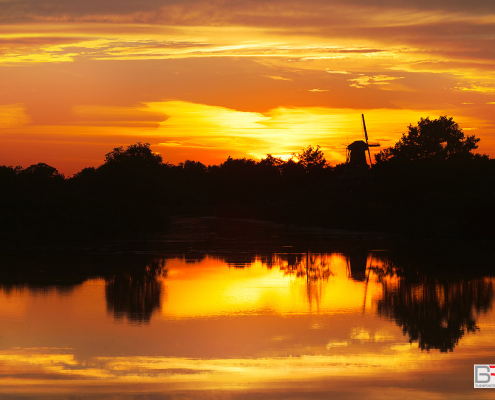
x=205, y=80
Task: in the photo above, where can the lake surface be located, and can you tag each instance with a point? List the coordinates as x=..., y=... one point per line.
x=239, y=323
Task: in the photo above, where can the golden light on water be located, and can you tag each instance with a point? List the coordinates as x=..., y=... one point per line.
x=254, y=290
x=303, y=321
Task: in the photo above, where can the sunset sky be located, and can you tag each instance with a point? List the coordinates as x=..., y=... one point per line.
x=203, y=80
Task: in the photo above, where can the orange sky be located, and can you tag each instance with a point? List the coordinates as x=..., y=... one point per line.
x=204, y=80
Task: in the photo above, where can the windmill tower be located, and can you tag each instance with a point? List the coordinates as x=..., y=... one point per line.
x=356, y=152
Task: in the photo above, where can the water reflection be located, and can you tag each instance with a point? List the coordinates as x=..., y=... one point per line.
x=239, y=260
x=314, y=268
x=356, y=265
x=435, y=312
x=284, y=320
x=133, y=287
x=40, y=275
x=137, y=294
x=58, y=286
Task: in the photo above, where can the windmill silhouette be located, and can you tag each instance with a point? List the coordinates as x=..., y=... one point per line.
x=356, y=152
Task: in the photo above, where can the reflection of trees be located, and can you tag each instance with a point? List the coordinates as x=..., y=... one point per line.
x=268, y=260
x=314, y=267
x=43, y=287
x=45, y=273
x=60, y=272
x=135, y=295
x=434, y=312
x=193, y=258
x=239, y=260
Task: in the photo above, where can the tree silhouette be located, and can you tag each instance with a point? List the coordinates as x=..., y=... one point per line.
x=42, y=170
x=193, y=167
x=238, y=168
x=136, y=156
x=86, y=174
x=311, y=158
x=8, y=175
x=293, y=171
x=438, y=140
x=271, y=165
x=134, y=173
x=39, y=174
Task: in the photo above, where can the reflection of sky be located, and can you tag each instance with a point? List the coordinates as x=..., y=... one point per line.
x=250, y=329
x=256, y=290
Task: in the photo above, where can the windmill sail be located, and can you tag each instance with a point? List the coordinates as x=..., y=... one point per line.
x=366, y=137
x=364, y=126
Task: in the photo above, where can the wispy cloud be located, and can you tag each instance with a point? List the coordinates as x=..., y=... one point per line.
x=278, y=78
x=363, y=81
x=338, y=72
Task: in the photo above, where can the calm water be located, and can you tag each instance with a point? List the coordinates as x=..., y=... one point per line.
x=246, y=325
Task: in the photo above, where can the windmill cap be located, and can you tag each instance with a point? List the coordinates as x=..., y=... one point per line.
x=358, y=145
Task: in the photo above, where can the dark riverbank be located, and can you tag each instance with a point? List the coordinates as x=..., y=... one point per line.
x=239, y=241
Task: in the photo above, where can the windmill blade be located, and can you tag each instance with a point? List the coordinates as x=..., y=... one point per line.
x=366, y=136
x=364, y=127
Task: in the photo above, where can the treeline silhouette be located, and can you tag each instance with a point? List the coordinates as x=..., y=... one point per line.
x=441, y=193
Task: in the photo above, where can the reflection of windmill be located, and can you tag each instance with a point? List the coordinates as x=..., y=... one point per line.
x=356, y=151
x=356, y=265
x=358, y=269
